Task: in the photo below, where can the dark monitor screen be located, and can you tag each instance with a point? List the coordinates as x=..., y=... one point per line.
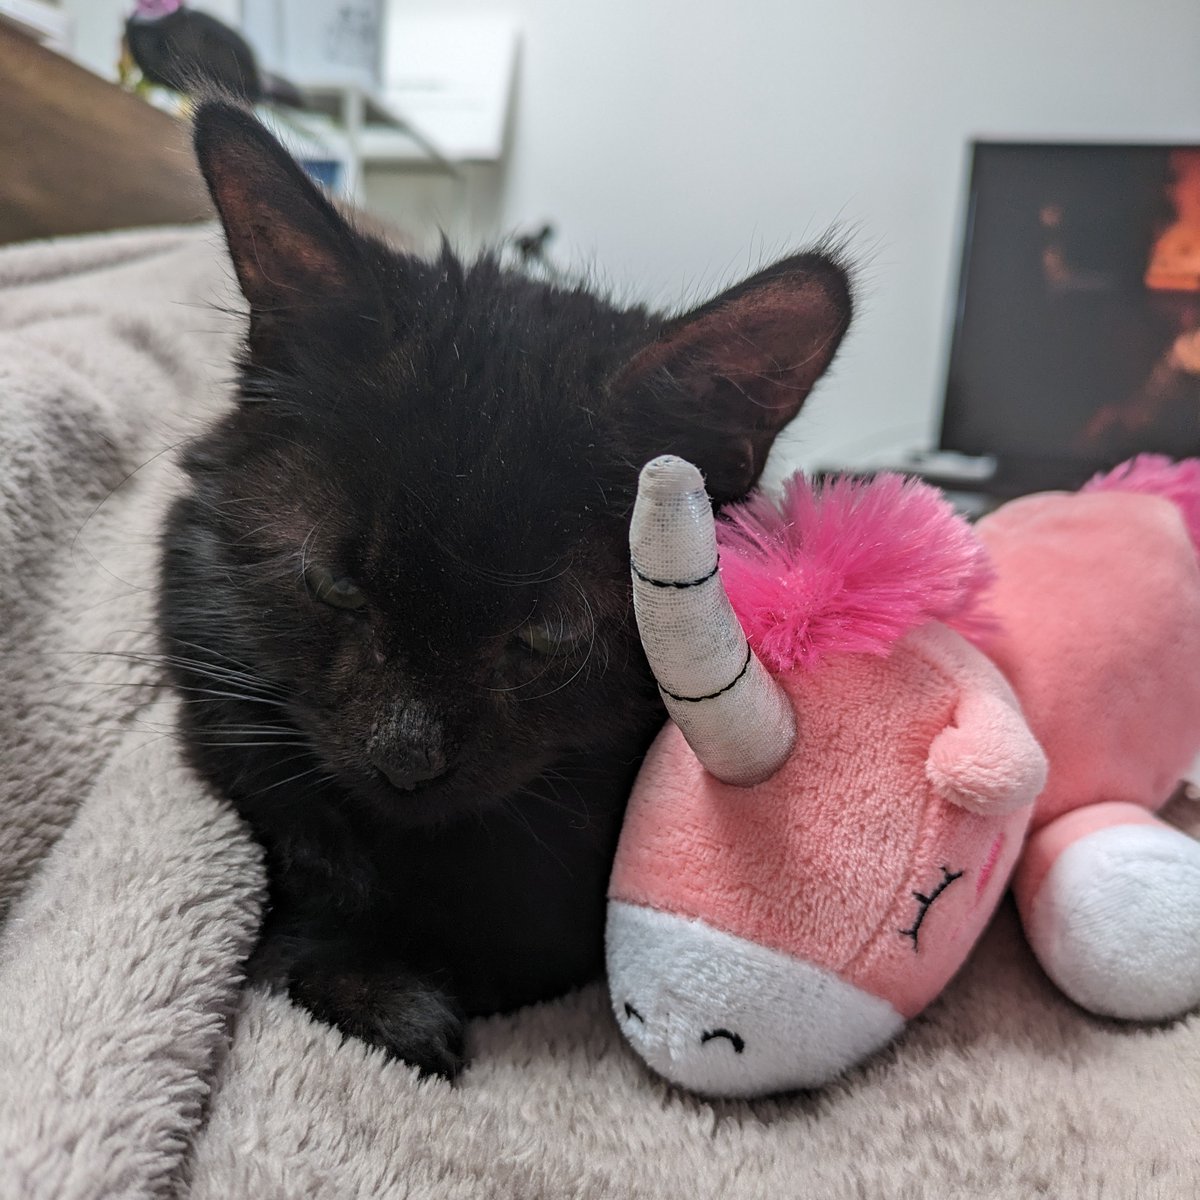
x=1077, y=327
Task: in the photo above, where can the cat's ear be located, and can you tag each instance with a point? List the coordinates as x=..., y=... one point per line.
x=718, y=384
x=299, y=264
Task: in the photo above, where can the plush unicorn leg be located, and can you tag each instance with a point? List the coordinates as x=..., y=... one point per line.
x=1110, y=899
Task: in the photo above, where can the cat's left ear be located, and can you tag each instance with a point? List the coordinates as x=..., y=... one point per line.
x=719, y=383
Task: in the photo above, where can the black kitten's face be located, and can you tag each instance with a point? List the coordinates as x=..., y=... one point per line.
x=431, y=565
x=402, y=570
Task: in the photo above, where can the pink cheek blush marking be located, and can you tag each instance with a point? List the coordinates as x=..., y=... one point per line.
x=989, y=866
x=966, y=927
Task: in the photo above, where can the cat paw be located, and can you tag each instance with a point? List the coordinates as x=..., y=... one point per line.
x=408, y=1019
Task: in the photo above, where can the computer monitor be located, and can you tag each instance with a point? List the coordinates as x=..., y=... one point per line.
x=1076, y=339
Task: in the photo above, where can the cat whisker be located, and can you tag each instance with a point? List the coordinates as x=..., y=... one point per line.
x=516, y=687
x=212, y=652
x=264, y=729
x=233, y=678
x=247, y=739
x=206, y=695
x=113, y=491
x=516, y=578
x=555, y=801
x=592, y=639
x=511, y=806
x=203, y=667
x=250, y=533
x=212, y=668
x=209, y=697
x=291, y=778
x=247, y=697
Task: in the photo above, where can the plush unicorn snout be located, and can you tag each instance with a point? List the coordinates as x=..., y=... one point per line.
x=724, y=1016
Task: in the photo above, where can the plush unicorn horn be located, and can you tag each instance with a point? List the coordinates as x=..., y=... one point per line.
x=733, y=714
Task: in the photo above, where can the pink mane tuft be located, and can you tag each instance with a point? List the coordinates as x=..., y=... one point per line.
x=1157, y=475
x=850, y=567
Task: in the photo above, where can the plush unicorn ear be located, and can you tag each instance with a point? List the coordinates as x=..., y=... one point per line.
x=987, y=761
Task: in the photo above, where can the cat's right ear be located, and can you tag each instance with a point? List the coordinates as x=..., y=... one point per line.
x=300, y=266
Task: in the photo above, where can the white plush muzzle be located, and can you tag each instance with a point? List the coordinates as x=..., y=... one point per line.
x=723, y=1016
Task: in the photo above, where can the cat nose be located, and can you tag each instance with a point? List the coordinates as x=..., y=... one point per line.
x=406, y=769
x=408, y=746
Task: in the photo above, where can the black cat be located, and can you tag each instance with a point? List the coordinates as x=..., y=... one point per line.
x=395, y=598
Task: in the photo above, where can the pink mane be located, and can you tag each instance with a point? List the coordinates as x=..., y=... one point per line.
x=850, y=567
x=1157, y=475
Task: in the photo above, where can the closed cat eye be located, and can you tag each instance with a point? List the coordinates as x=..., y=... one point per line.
x=338, y=592
x=549, y=637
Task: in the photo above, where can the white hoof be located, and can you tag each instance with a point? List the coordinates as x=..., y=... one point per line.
x=1116, y=922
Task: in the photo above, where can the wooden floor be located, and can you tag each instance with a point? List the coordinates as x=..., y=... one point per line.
x=79, y=155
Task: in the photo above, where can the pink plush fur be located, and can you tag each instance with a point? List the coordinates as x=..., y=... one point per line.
x=1157, y=475
x=850, y=567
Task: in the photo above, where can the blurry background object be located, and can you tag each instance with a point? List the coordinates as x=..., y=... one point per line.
x=1063, y=357
x=1068, y=353
x=365, y=131
x=1175, y=263
x=184, y=49
x=80, y=155
x=528, y=250
x=429, y=139
x=531, y=246
x=41, y=20
x=318, y=41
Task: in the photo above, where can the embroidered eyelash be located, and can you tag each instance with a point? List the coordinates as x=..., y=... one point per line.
x=926, y=902
x=734, y=1039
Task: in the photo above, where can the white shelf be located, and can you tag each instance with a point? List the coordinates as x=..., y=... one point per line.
x=378, y=144
x=376, y=130
x=46, y=22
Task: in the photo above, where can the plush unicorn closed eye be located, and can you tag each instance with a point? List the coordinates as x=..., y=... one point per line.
x=923, y=713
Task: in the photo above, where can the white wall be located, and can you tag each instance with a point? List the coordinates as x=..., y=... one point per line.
x=677, y=143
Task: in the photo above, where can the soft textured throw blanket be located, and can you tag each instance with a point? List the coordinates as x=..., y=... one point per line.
x=132, y=1063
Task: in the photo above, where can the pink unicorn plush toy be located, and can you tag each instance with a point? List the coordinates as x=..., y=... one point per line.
x=922, y=713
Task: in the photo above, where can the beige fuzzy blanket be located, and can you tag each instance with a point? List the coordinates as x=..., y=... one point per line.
x=132, y=1063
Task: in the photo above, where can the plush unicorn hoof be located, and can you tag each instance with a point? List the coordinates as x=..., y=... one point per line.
x=1116, y=922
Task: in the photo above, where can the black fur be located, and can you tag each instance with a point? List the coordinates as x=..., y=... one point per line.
x=438, y=799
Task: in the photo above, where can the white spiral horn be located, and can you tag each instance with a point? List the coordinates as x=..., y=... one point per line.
x=735, y=716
